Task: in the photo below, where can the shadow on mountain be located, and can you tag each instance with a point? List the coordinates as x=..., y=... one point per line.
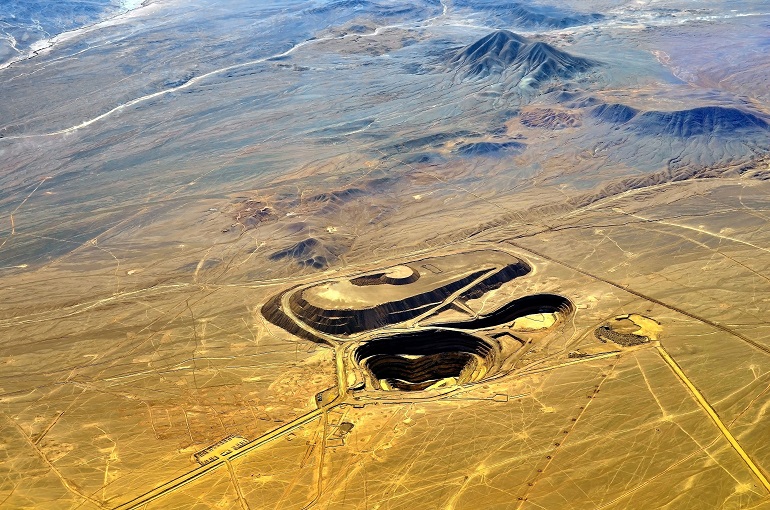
x=614, y=113
x=337, y=197
x=548, y=118
x=701, y=138
x=490, y=148
x=517, y=60
x=529, y=16
x=705, y=120
x=433, y=141
x=309, y=252
x=344, y=10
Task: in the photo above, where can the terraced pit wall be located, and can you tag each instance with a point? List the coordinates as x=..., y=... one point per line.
x=349, y=321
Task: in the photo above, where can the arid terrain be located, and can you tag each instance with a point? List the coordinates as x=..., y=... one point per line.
x=360, y=254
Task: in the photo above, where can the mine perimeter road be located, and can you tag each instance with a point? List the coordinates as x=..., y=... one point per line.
x=714, y=416
x=757, y=345
x=196, y=473
x=673, y=364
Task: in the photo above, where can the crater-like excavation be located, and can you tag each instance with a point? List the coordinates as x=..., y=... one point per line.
x=526, y=312
x=426, y=359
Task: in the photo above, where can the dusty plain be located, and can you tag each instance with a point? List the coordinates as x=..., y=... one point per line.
x=555, y=217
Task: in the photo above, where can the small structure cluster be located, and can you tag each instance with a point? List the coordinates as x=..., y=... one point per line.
x=221, y=448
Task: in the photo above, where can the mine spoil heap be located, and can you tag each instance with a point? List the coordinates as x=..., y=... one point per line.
x=605, y=334
x=348, y=321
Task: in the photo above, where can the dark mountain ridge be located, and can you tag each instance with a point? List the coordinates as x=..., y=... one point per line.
x=702, y=120
x=529, y=16
x=504, y=52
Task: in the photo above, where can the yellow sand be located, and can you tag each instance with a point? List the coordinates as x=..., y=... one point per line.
x=535, y=321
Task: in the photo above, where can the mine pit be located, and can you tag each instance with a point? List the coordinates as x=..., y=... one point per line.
x=427, y=359
x=538, y=311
